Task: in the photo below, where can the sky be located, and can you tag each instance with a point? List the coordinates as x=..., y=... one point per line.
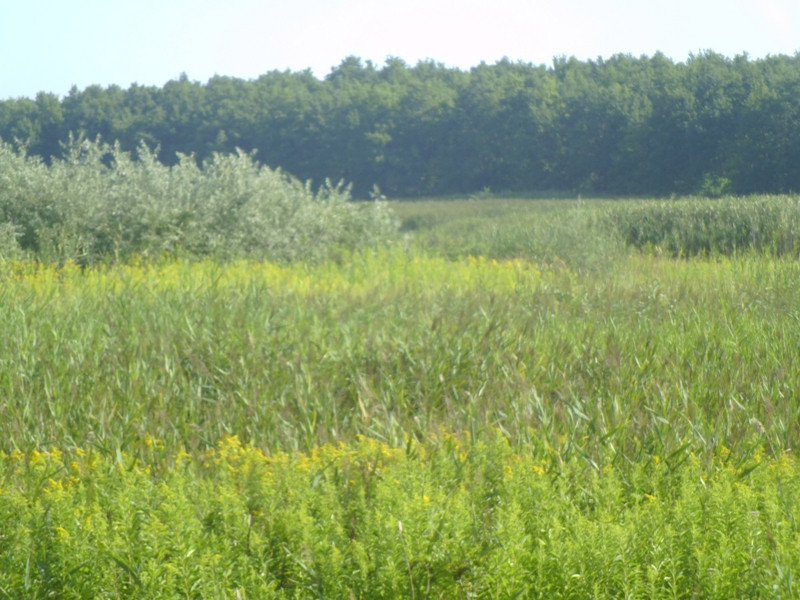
x=53, y=45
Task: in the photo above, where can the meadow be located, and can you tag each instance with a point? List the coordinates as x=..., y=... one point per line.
x=508, y=398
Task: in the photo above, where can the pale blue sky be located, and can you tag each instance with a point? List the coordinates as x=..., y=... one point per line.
x=51, y=45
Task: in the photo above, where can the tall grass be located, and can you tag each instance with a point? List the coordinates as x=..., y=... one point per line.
x=549, y=232
x=512, y=403
x=649, y=358
x=691, y=227
x=587, y=234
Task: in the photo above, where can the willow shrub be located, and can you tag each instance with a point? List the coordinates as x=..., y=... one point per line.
x=100, y=204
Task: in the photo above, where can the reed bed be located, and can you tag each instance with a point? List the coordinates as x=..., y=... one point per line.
x=533, y=408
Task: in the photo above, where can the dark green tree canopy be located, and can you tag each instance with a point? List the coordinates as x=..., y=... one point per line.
x=622, y=125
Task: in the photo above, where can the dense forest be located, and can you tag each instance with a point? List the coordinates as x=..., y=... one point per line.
x=622, y=125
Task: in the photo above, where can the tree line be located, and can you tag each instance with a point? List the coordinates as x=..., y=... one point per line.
x=622, y=125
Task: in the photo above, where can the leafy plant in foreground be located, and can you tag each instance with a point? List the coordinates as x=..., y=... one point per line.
x=450, y=517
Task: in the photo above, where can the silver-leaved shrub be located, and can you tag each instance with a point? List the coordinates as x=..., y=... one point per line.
x=100, y=204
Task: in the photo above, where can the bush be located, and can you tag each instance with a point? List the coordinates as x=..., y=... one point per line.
x=9, y=245
x=99, y=204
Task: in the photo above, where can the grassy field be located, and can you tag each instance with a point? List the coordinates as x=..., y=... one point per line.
x=544, y=399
